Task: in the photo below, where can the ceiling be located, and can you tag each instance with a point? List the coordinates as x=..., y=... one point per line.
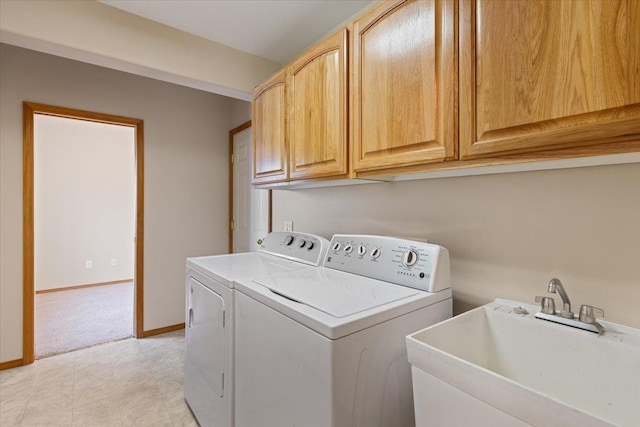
x=277, y=30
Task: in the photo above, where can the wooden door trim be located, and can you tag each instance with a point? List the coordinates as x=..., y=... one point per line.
x=29, y=109
x=232, y=133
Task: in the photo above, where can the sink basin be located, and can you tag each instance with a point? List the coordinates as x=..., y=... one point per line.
x=494, y=366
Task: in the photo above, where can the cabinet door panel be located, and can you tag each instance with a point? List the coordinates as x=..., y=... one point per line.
x=317, y=101
x=403, y=87
x=269, y=131
x=548, y=73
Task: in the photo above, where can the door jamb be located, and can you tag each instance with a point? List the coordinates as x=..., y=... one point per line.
x=29, y=109
x=232, y=133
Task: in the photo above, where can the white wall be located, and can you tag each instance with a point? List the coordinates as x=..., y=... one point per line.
x=84, y=187
x=186, y=173
x=507, y=234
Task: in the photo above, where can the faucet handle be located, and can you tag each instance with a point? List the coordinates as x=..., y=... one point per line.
x=547, y=304
x=588, y=313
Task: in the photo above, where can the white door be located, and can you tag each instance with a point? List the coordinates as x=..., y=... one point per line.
x=250, y=206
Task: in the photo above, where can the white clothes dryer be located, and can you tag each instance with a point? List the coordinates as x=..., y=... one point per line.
x=210, y=281
x=326, y=346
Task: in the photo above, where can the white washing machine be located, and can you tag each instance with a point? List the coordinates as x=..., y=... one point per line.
x=208, y=382
x=326, y=346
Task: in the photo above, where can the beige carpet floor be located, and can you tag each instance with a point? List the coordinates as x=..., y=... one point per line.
x=79, y=318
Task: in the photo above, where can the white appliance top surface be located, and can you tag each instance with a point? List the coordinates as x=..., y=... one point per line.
x=334, y=292
x=334, y=303
x=227, y=268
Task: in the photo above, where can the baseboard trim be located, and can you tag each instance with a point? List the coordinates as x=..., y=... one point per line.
x=90, y=285
x=11, y=364
x=19, y=362
x=164, y=330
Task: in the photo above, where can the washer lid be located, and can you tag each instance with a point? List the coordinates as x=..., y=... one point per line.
x=333, y=292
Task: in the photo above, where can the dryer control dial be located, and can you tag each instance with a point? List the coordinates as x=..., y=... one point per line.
x=375, y=253
x=289, y=240
x=410, y=258
x=348, y=248
x=302, y=243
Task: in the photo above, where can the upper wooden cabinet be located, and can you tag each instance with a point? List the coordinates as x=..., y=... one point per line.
x=317, y=110
x=269, y=131
x=548, y=74
x=446, y=84
x=403, y=85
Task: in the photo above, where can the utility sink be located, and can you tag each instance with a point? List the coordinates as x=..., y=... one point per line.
x=499, y=365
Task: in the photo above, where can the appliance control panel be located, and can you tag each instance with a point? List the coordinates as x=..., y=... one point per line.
x=411, y=263
x=302, y=247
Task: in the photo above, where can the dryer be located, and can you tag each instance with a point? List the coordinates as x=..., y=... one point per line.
x=326, y=346
x=210, y=294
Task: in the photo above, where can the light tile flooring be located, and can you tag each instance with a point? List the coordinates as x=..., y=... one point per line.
x=124, y=383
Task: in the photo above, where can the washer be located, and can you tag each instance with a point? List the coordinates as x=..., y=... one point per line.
x=326, y=346
x=210, y=294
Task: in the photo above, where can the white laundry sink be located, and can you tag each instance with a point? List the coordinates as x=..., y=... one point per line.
x=491, y=366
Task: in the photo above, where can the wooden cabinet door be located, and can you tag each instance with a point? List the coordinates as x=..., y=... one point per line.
x=403, y=86
x=548, y=74
x=269, y=131
x=317, y=105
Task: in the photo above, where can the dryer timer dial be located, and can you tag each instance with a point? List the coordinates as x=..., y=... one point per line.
x=410, y=258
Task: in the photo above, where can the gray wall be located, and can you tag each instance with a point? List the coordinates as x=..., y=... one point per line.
x=507, y=234
x=240, y=112
x=186, y=173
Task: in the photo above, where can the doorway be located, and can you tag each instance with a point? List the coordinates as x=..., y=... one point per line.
x=249, y=208
x=90, y=242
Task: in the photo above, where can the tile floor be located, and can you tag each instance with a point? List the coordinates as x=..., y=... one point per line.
x=124, y=383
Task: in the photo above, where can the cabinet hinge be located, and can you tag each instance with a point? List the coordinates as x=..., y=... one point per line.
x=233, y=225
x=232, y=159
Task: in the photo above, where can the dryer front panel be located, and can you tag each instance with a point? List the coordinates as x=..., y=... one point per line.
x=205, y=334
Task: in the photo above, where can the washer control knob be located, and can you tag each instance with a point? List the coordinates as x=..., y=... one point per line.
x=348, y=249
x=362, y=250
x=409, y=258
x=375, y=253
x=310, y=245
x=336, y=246
x=289, y=240
x=302, y=243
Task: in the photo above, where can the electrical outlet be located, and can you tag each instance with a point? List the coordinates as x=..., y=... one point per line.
x=88, y=264
x=288, y=226
x=114, y=262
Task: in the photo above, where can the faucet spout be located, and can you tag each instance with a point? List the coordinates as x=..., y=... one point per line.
x=556, y=286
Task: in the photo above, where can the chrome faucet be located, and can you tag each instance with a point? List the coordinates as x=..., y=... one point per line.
x=556, y=286
x=586, y=320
